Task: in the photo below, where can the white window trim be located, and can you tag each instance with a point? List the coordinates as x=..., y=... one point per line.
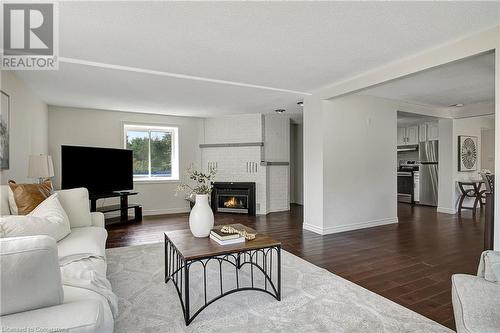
x=175, y=151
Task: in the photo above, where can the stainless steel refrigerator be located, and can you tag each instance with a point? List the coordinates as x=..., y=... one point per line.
x=428, y=172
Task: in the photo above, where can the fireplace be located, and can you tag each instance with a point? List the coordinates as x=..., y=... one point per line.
x=234, y=197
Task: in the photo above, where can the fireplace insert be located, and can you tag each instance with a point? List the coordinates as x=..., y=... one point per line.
x=234, y=197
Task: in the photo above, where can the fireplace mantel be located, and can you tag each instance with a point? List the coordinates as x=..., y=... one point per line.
x=235, y=144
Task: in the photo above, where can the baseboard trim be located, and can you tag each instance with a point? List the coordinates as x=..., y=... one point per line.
x=349, y=227
x=149, y=212
x=312, y=228
x=152, y=212
x=445, y=210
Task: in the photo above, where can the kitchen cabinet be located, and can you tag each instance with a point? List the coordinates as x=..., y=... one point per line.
x=433, y=131
x=401, y=136
x=408, y=135
x=412, y=135
x=428, y=132
x=422, y=132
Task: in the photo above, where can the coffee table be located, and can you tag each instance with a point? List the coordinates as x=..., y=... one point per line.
x=182, y=250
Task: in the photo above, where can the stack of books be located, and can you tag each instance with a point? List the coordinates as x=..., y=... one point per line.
x=226, y=239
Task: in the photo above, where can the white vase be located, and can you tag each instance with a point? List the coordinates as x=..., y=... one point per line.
x=201, y=219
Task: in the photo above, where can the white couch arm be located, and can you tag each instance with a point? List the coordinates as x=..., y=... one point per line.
x=475, y=303
x=97, y=219
x=30, y=274
x=81, y=316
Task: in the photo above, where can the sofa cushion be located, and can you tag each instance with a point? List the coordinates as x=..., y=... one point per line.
x=30, y=274
x=48, y=218
x=81, y=316
x=82, y=243
x=28, y=196
x=51, y=210
x=76, y=204
x=475, y=304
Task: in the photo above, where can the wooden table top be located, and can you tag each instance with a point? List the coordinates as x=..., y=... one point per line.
x=191, y=247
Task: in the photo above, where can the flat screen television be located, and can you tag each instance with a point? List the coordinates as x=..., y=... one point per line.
x=100, y=170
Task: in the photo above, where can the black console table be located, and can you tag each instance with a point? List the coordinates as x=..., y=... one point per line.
x=123, y=207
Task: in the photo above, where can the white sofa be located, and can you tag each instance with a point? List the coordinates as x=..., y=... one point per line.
x=34, y=295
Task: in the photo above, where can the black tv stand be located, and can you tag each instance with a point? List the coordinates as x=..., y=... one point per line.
x=123, y=207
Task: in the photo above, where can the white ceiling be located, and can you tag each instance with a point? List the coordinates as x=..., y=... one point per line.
x=299, y=46
x=467, y=82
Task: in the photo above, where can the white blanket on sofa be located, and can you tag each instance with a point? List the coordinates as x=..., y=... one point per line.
x=90, y=273
x=82, y=260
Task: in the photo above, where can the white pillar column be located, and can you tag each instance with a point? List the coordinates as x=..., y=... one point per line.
x=313, y=164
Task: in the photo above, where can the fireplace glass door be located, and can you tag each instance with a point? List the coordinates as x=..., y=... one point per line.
x=232, y=203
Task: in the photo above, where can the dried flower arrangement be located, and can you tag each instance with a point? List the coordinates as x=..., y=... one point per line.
x=196, y=182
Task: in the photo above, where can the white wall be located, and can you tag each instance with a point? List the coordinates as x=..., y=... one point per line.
x=296, y=164
x=243, y=128
x=276, y=138
x=359, y=157
x=293, y=147
x=446, y=179
x=277, y=149
x=349, y=163
x=28, y=127
x=101, y=128
x=488, y=149
x=313, y=164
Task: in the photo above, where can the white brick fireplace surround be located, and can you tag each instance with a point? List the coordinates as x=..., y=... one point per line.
x=251, y=148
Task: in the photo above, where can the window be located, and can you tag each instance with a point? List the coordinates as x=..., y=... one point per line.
x=155, y=151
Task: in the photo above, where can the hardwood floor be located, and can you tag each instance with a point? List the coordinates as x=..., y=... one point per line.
x=410, y=262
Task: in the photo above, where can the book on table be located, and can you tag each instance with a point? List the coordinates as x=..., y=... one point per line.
x=227, y=241
x=216, y=232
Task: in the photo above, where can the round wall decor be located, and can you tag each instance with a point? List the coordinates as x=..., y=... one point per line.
x=467, y=153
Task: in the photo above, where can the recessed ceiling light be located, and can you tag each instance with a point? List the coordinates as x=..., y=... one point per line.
x=279, y=110
x=301, y=103
x=458, y=105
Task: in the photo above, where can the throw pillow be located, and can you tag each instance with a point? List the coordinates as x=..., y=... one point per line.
x=48, y=218
x=28, y=196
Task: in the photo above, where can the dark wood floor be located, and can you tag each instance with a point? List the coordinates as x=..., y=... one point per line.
x=410, y=263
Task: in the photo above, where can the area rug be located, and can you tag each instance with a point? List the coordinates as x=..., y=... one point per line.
x=313, y=300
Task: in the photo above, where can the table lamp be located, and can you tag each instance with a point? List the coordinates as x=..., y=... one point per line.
x=40, y=167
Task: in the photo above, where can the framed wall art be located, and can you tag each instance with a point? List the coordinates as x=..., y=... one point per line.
x=467, y=153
